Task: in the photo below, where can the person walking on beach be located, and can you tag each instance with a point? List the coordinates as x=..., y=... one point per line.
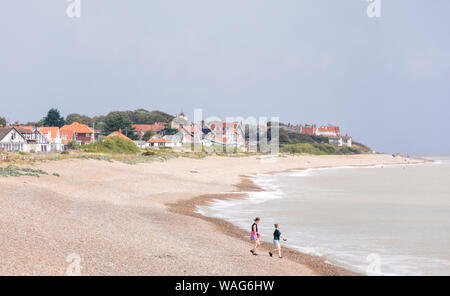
x=254, y=236
x=276, y=240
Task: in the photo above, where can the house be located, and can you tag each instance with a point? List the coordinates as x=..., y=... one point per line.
x=12, y=140
x=308, y=129
x=156, y=128
x=227, y=133
x=340, y=140
x=78, y=132
x=156, y=142
x=53, y=136
x=175, y=140
x=23, y=139
x=119, y=135
x=347, y=141
x=35, y=139
x=141, y=144
x=213, y=134
x=190, y=134
x=327, y=130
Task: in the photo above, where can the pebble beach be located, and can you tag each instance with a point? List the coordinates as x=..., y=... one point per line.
x=122, y=219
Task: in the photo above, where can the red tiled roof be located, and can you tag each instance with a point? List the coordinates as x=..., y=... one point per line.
x=329, y=128
x=159, y=140
x=67, y=131
x=23, y=128
x=53, y=130
x=157, y=127
x=119, y=135
x=76, y=128
x=308, y=130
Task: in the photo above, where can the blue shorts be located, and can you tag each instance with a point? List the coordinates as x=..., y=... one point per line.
x=276, y=242
x=254, y=237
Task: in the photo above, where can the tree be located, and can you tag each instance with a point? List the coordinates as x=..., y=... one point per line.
x=2, y=121
x=115, y=121
x=75, y=117
x=53, y=118
x=170, y=131
x=148, y=135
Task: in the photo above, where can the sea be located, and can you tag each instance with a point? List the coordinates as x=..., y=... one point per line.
x=378, y=220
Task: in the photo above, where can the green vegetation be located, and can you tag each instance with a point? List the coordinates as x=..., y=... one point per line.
x=115, y=121
x=109, y=123
x=293, y=142
x=111, y=145
x=170, y=131
x=2, y=121
x=309, y=148
x=148, y=135
x=53, y=118
x=317, y=149
x=72, y=145
x=56, y=175
x=121, y=120
x=75, y=117
x=362, y=148
x=15, y=171
x=142, y=116
x=294, y=138
x=93, y=156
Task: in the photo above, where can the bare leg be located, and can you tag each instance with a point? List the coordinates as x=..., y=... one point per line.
x=257, y=243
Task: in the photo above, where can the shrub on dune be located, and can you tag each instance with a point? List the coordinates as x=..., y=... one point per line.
x=112, y=145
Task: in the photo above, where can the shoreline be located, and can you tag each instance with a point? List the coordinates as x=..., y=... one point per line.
x=189, y=208
x=315, y=263
x=142, y=219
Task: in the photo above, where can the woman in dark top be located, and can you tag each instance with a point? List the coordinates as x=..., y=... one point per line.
x=276, y=240
x=254, y=236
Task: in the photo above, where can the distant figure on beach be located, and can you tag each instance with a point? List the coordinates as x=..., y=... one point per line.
x=255, y=236
x=276, y=240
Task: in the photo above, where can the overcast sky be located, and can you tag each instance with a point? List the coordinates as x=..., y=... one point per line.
x=385, y=81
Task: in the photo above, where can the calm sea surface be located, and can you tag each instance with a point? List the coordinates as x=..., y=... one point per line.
x=391, y=220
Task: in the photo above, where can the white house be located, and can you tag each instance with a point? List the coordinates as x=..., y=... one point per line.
x=54, y=137
x=21, y=139
x=157, y=142
x=340, y=141
x=12, y=140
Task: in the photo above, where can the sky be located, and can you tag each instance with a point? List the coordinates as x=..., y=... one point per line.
x=385, y=81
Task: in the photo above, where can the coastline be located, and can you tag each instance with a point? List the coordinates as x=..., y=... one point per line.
x=141, y=219
x=315, y=263
x=189, y=208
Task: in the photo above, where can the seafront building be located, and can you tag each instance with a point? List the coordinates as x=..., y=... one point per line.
x=156, y=128
x=54, y=137
x=332, y=132
x=78, y=132
x=340, y=140
x=23, y=139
